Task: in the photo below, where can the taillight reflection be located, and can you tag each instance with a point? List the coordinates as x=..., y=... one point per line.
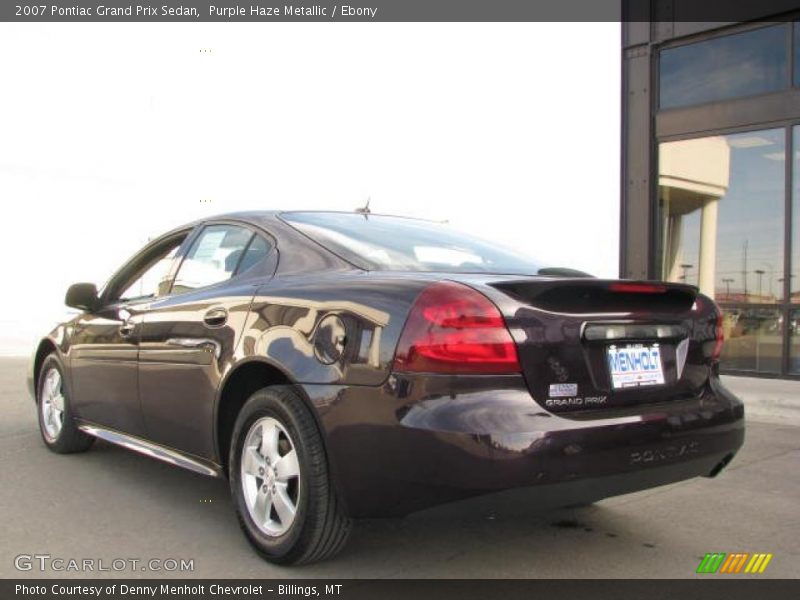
x=703, y=303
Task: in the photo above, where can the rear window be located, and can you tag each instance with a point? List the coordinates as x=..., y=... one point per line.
x=376, y=242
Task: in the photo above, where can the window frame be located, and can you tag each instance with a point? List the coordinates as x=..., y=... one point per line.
x=134, y=266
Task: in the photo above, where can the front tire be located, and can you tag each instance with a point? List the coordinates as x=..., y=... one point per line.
x=281, y=486
x=58, y=429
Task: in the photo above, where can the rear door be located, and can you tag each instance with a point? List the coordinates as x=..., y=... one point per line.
x=189, y=336
x=105, y=342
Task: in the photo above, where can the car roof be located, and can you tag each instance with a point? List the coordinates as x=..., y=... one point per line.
x=270, y=215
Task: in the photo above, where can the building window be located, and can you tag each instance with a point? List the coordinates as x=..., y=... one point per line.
x=753, y=339
x=794, y=350
x=721, y=205
x=732, y=66
x=721, y=217
x=797, y=53
x=794, y=272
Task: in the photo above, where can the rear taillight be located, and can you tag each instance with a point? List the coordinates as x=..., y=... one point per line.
x=455, y=329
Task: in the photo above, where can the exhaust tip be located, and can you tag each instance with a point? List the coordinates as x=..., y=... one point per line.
x=721, y=465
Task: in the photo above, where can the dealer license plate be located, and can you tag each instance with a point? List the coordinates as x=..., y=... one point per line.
x=635, y=365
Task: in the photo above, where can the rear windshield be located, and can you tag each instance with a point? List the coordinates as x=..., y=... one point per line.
x=376, y=242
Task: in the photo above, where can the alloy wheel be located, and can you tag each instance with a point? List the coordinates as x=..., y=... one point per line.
x=270, y=476
x=52, y=404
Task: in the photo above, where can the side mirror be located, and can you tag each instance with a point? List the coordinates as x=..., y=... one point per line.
x=82, y=296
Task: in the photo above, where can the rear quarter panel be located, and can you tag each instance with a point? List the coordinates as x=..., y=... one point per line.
x=337, y=329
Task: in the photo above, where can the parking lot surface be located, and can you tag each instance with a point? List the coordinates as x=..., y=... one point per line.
x=110, y=503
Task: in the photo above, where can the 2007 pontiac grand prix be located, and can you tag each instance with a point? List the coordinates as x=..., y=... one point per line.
x=343, y=365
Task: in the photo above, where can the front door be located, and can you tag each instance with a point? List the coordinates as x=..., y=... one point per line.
x=104, y=358
x=105, y=348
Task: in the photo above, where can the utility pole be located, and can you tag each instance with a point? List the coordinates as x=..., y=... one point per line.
x=727, y=281
x=760, y=273
x=685, y=268
x=744, y=269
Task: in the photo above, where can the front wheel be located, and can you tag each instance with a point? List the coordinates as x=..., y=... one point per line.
x=280, y=482
x=58, y=429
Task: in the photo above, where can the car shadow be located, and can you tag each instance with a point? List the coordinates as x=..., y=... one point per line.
x=443, y=542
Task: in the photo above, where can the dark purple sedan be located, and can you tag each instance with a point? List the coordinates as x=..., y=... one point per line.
x=341, y=365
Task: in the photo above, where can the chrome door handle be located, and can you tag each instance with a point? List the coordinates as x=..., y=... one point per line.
x=197, y=344
x=216, y=317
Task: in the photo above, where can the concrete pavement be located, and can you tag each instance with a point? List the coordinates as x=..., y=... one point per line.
x=110, y=503
x=768, y=400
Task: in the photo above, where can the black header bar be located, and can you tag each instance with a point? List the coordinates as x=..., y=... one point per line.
x=151, y=11
x=705, y=588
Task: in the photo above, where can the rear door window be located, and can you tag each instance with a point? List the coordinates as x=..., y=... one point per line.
x=258, y=249
x=213, y=257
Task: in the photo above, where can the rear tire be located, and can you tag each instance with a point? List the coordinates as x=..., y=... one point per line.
x=280, y=483
x=58, y=429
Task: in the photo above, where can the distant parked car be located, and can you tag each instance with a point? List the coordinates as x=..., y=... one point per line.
x=340, y=365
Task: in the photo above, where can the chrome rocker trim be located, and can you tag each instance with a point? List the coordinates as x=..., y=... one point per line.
x=151, y=449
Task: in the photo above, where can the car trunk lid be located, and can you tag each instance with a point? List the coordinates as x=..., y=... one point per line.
x=588, y=345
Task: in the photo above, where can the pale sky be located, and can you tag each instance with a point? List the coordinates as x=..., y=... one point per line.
x=114, y=133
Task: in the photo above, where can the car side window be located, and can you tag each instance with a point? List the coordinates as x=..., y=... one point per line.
x=212, y=258
x=256, y=251
x=154, y=281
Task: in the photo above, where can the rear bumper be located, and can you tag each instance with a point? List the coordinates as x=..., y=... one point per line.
x=414, y=444
x=525, y=499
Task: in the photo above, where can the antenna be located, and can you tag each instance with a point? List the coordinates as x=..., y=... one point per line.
x=365, y=209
